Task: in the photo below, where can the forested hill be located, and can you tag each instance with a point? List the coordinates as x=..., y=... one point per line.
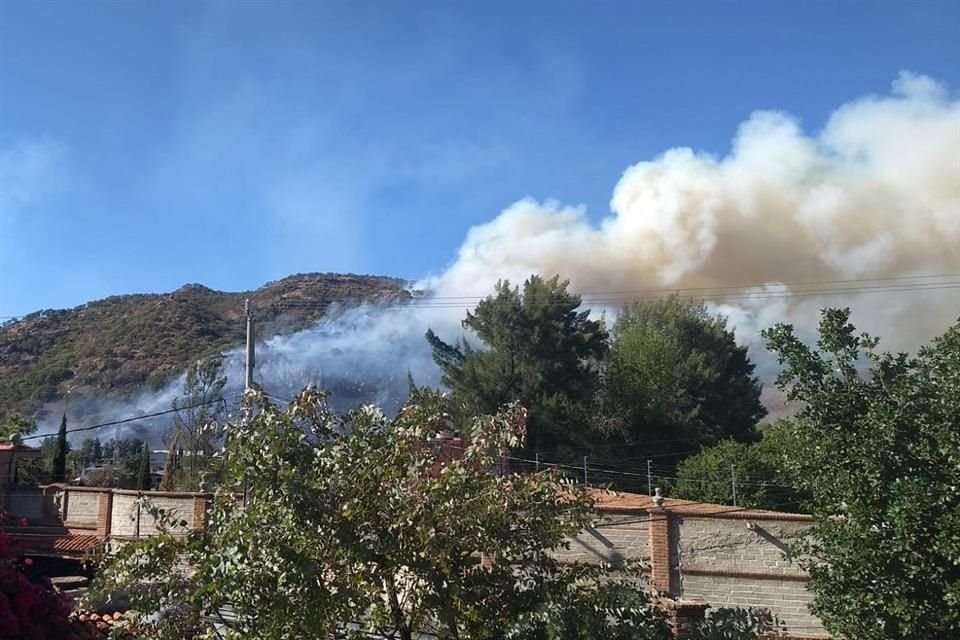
x=119, y=344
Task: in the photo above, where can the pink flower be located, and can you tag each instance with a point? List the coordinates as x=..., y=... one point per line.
x=28, y=561
x=23, y=522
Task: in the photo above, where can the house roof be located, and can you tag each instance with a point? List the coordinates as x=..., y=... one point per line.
x=61, y=545
x=18, y=447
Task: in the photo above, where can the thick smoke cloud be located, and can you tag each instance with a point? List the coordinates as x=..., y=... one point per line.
x=875, y=194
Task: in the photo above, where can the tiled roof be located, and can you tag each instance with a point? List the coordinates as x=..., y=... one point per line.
x=58, y=544
x=86, y=625
x=16, y=446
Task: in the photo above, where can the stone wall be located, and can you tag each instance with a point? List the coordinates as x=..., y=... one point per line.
x=116, y=513
x=741, y=563
x=714, y=554
x=616, y=539
x=81, y=506
x=129, y=519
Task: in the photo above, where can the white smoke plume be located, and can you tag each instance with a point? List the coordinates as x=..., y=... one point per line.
x=875, y=194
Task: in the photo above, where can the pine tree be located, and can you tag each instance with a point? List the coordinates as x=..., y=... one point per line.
x=143, y=474
x=539, y=349
x=59, y=471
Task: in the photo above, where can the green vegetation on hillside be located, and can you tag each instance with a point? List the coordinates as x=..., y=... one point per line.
x=116, y=345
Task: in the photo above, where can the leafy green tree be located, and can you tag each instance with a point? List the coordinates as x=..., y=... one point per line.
x=362, y=518
x=537, y=349
x=200, y=409
x=763, y=470
x=881, y=444
x=58, y=467
x=675, y=378
x=15, y=427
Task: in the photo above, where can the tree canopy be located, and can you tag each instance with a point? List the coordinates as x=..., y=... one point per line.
x=763, y=472
x=881, y=457
x=362, y=518
x=15, y=426
x=676, y=376
x=538, y=349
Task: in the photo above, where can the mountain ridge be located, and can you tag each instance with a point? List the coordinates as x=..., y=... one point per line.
x=120, y=344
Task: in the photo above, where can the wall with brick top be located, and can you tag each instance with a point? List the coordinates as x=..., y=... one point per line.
x=124, y=513
x=718, y=543
x=744, y=563
x=617, y=539
x=82, y=507
x=788, y=599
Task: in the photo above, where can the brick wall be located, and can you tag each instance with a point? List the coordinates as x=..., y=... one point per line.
x=129, y=520
x=616, y=539
x=25, y=503
x=735, y=544
x=737, y=562
x=82, y=507
x=706, y=553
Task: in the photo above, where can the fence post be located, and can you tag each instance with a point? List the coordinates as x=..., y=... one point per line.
x=733, y=482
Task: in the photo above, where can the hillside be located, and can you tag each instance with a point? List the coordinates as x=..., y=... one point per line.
x=114, y=346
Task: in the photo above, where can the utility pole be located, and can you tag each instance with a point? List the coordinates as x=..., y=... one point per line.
x=649, y=478
x=251, y=349
x=248, y=374
x=585, y=479
x=733, y=482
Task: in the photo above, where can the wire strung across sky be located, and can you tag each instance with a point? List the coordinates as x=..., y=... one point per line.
x=746, y=292
x=768, y=291
x=114, y=423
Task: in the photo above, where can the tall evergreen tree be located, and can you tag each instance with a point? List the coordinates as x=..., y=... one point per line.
x=676, y=379
x=143, y=473
x=537, y=349
x=59, y=469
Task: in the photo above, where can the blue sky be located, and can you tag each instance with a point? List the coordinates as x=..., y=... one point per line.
x=144, y=145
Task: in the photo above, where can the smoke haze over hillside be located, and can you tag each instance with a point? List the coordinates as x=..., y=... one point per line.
x=875, y=194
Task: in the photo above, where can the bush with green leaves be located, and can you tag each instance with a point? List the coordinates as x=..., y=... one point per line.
x=379, y=522
x=880, y=436
x=364, y=518
x=764, y=472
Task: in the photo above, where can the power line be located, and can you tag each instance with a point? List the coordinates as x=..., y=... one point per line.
x=115, y=423
x=887, y=285
x=757, y=291
x=744, y=297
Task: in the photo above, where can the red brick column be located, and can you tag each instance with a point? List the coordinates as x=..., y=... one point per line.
x=104, y=513
x=200, y=517
x=661, y=573
x=685, y=616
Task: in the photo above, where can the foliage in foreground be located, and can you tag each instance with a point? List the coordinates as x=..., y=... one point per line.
x=880, y=435
x=358, y=517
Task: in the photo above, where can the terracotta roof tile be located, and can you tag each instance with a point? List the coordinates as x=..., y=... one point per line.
x=65, y=544
x=615, y=500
